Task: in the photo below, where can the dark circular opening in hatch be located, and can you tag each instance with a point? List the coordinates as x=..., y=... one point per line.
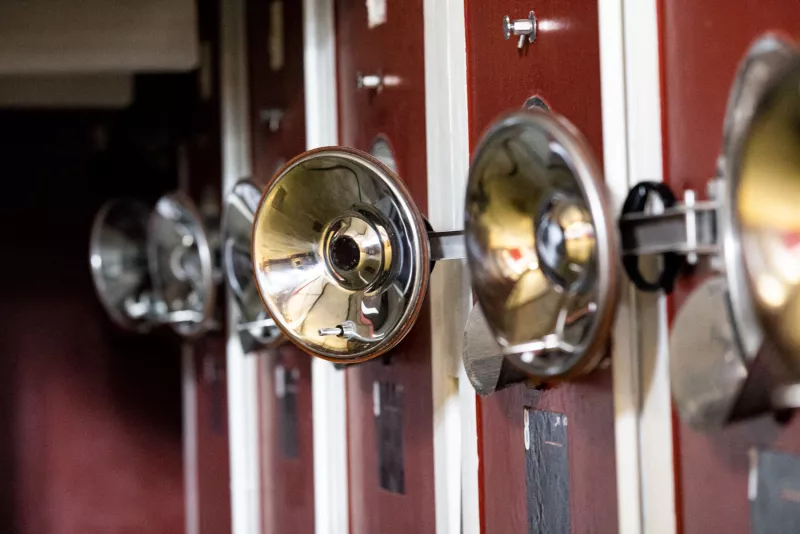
x=345, y=253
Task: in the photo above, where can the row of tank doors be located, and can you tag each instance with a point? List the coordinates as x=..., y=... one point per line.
x=334, y=256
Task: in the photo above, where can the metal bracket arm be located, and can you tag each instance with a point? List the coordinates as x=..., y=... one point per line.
x=447, y=245
x=682, y=229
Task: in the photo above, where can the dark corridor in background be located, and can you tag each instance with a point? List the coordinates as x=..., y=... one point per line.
x=90, y=416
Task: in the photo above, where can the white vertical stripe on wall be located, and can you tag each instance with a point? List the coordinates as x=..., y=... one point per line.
x=190, y=488
x=632, y=153
x=242, y=370
x=645, y=162
x=625, y=364
x=455, y=438
x=328, y=384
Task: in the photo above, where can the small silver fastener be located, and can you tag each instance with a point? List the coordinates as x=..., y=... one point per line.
x=524, y=28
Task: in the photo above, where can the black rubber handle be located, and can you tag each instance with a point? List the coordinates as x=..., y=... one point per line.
x=672, y=261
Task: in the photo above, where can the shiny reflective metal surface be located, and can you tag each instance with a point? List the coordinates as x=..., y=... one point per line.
x=541, y=246
x=369, y=81
x=237, y=228
x=767, y=192
x=707, y=371
x=181, y=266
x=118, y=258
x=483, y=358
x=766, y=59
x=723, y=366
x=340, y=254
x=447, y=245
x=524, y=28
x=486, y=366
x=536, y=102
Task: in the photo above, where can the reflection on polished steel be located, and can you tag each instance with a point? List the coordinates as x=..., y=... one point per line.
x=765, y=61
x=181, y=266
x=118, y=258
x=767, y=193
x=255, y=327
x=565, y=241
x=340, y=254
x=540, y=245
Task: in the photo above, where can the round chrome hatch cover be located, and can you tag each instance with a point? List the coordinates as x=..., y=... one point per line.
x=237, y=228
x=541, y=244
x=118, y=257
x=765, y=190
x=340, y=254
x=181, y=266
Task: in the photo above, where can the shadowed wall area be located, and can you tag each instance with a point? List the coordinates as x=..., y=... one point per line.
x=90, y=416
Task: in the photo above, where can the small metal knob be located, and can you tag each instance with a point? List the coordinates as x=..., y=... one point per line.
x=369, y=81
x=525, y=28
x=337, y=330
x=348, y=330
x=272, y=117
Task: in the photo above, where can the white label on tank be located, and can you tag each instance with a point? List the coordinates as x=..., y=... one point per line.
x=376, y=13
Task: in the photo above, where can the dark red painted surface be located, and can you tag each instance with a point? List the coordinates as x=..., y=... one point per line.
x=702, y=43
x=204, y=159
x=287, y=483
x=275, y=88
x=562, y=67
x=213, y=465
x=90, y=416
x=395, y=48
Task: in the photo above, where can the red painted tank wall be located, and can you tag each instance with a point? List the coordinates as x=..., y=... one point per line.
x=394, y=48
x=702, y=43
x=563, y=68
x=90, y=417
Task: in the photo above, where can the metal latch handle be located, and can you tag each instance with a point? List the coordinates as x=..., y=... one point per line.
x=524, y=28
x=348, y=330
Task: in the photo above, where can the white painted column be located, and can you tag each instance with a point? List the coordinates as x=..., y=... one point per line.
x=645, y=162
x=455, y=438
x=328, y=384
x=633, y=152
x=242, y=370
x=190, y=466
